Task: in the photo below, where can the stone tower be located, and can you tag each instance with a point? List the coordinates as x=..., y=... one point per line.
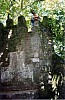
x=30, y=56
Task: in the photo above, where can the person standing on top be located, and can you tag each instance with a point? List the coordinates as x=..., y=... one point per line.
x=35, y=19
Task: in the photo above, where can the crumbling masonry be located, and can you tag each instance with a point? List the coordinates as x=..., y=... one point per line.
x=29, y=55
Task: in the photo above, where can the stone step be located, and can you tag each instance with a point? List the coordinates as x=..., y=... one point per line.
x=28, y=94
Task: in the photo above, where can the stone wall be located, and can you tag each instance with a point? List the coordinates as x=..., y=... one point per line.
x=30, y=55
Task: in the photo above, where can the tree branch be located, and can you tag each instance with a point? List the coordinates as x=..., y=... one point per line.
x=21, y=4
x=30, y=4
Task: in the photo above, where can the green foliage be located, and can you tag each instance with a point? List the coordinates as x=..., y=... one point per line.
x=57, y=24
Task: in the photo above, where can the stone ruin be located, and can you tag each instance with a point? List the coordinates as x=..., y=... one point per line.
x=27, y=55
x=26, y=59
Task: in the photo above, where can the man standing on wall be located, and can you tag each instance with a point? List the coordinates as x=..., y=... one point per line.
x=35, y=19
